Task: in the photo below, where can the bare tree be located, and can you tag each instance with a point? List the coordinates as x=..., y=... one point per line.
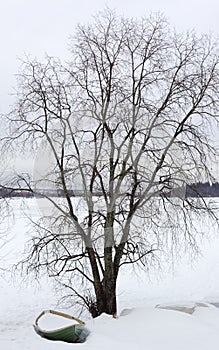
x=121, y=128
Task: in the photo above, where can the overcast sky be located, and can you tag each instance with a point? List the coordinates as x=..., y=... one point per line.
x=37, y=27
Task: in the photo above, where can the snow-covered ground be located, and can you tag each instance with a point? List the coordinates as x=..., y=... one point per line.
x=141, y=326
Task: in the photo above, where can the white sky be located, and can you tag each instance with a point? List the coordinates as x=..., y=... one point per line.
x=37, y=27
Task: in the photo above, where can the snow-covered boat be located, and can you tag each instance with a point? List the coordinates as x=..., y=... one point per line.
x=72, y=333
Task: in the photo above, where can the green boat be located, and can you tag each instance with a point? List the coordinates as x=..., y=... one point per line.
x=75, y=333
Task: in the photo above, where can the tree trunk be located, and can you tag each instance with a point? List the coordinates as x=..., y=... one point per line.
x=109, y=282
x=106, y=302
x=105, y=290
x=110, y=298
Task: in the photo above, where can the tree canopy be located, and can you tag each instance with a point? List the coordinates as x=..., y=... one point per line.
x=125, y=123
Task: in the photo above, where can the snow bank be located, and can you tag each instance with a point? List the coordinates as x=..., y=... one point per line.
x=155, y=329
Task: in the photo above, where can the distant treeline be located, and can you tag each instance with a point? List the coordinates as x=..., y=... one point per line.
x=192, y=190
x=17, y=193
x=203, y=189
x=199, y=189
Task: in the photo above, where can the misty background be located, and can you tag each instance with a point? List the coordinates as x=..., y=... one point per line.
x=36, y=28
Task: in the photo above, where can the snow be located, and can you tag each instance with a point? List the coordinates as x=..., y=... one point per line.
x=50, y=322
x=151, y=328
x=140, y=325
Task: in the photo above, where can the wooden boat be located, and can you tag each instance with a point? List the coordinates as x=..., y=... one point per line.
x=74, y=333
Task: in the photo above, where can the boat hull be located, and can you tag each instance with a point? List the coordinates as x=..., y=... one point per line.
x=69, y=334
x=74, y=333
